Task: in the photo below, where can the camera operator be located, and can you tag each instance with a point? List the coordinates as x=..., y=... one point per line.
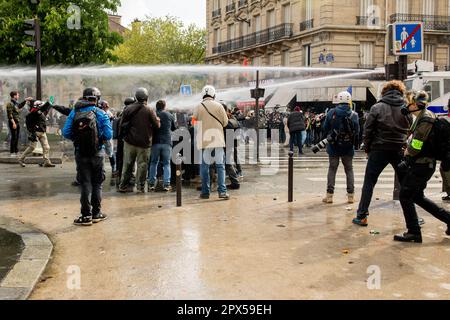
x=385, y=133
x=342, y=127
x=419, y=167
x=37, y=128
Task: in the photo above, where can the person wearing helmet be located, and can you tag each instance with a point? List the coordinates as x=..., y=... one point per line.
x=136, y=128
x=211, y=120
x=342, y=126
x=419, y=167
x=37, y=128
x=89, y=127
x=385, y=133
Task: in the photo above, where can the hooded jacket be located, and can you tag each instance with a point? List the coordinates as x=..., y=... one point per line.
x=386, y=128
x=333, y=122
x=296, y=122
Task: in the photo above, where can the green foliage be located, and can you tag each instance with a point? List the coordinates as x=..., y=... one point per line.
x=60, y=45
x=162, y=41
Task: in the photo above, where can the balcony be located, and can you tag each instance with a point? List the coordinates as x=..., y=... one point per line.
x=277, y=33
x=231, y=8
x=306, y=25
x=242, y=3
x=430, y=23
x=368, y=21
x=217, y=13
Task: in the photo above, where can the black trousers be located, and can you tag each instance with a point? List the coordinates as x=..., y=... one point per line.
x=15, y=134
x=91, y=173
x=412, y=192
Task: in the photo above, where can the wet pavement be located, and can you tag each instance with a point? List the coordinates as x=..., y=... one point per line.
x=11, y=247
x=255, y=246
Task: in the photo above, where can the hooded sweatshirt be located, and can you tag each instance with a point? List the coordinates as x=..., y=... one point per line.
x=386, y=128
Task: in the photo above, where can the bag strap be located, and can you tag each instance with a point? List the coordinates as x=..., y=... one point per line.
x=212, y=114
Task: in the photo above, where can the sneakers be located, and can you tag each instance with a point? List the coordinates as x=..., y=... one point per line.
x=328, y=199
x=151, y=187
x=224, y=196
x=204, y=196
x=167, y=188
x=234, y=187
x=409, y=237
x=141, y=190
x=125, y=190
x=96, y=218
x=83, y=221
x=351, y=198
x=22, y=163
x=446, y=199
x=48, y=165
x=361, y=221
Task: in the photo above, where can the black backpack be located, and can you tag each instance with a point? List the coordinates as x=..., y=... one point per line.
x=440, y=139
x=85, y=133
x=345, y=130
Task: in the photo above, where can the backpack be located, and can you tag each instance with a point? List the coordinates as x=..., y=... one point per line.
x=344, y=130
x=85, y=133
x=440, y=139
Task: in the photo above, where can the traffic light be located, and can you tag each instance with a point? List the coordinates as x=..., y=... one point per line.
x=33, y=24
x=35, y=33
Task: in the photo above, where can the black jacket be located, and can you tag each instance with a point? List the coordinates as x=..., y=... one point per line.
x=36, y=120
x=296, y=122
x=386, y=128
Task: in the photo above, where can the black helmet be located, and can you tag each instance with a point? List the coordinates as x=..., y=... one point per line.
x=92, y=94
x=141, y=95
x=129, y=101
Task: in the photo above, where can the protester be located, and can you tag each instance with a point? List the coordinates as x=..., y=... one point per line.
x=231, y=162
x=89, y=127
x=385, y=133
x=13, y=114
x=211, y=119
x=445, y=184
x=109, y=146
x=37, y=130
x=136, y=126
x=419, y=167
x=162, y=148
x=296, y=125
x=342, y=126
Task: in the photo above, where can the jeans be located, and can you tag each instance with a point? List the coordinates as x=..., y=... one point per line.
x=445, y=181
x=412, y=192
x=209, y=156
x=14, y=145
x=347, y=161
x=132, y=154
x=378, y=161
x=42, y=136
x=160, y=153
x=303, y=138
x=296, y=140
x=92, y=175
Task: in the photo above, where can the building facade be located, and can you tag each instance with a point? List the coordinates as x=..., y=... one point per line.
x=321, y=33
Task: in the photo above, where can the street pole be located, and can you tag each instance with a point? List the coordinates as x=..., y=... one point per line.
x=38, y=60
x=257, y=116
x=291, y=177
x=179, y=182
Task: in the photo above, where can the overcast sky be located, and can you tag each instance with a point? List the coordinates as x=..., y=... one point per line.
x=189, y=11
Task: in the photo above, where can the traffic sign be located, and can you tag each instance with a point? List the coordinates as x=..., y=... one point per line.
x=408, y=38
x=186, y=90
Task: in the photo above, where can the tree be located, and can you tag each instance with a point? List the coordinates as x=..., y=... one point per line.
x=91, y=43
x=162, y=41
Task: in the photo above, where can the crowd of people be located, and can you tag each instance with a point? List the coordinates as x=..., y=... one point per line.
x=139, y=143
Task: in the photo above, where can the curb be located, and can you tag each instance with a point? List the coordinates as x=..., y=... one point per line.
x=23, y=277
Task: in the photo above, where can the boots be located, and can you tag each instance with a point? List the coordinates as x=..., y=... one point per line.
x=48, y=164
x=409, y=237
x=328, y=199
x=351, y=198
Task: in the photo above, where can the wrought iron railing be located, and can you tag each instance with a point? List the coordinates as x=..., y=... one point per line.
x=217, y=13
x=367, y=21
x=430, y=22
x=306, y=25
x=276, y=33
x=231, y=8
x=242, y=3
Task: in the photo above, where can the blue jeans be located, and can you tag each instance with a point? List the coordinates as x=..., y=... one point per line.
x=163, y=153
x=210, y=156
x=296, y=140
x=378, y=161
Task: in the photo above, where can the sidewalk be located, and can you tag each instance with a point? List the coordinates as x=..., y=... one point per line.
x=255, y=246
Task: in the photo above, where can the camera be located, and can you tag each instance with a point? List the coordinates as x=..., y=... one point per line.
x=324, y=143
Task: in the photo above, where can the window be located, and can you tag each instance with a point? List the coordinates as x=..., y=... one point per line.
x=243, y=28
x=429, y=53
x=366, y=8
x=429, y=7
x=257, y=62
x=216, y=5
x=403, y=6
x=446, y=86
x=257, y=23
x=271, y=18
x=366, y=55
x=270, y=60
x=287, y=13
x=231, y=31
x=433, y=89
x=217, y=37
x=285, y=58
x=308, y=10
x=308, y=56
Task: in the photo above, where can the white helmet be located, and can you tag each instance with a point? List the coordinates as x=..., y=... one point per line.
x=342, y=97
x=38, y=103
x=209, y=91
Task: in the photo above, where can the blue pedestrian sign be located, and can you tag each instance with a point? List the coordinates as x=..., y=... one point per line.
x=408, y=38
x=186, y=90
